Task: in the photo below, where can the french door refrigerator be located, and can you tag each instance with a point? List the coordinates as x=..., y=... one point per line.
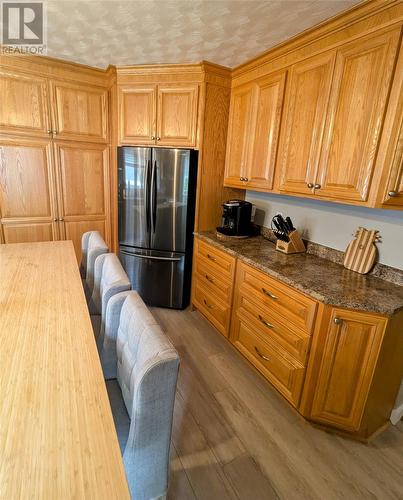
x=156, y=198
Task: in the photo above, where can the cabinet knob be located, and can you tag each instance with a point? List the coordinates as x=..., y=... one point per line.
x=317, y=186
x=158, y=138
x=49, y=131
x=337, y=321
x=392, y=194
x=241, y=178
x=153, y=137
x=246, y=179
x=54, y=132
x=61, y=220
x=310, y=185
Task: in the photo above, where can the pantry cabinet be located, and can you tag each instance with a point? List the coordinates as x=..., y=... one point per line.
x=54, y=154
x=160, y=115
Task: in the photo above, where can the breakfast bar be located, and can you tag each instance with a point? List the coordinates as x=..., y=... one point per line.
x=57, y=436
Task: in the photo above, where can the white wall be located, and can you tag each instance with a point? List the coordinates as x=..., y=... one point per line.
x=333, y=225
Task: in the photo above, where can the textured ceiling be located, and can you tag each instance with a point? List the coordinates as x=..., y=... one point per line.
x=227, y=32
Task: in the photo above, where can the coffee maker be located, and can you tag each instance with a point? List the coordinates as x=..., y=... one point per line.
x=236, y=218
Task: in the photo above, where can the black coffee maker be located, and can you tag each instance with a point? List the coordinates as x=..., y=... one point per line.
x=236, y=218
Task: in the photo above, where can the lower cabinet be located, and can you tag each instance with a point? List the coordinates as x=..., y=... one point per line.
x=339, y=368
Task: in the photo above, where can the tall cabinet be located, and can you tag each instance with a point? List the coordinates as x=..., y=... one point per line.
x=54, y=151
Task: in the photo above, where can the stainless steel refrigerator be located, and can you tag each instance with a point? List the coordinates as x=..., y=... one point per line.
x=157, y=191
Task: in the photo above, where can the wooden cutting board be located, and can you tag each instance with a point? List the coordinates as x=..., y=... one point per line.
x=361, y=253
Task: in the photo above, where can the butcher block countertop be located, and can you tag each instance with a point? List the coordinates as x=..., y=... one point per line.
x=319, y=278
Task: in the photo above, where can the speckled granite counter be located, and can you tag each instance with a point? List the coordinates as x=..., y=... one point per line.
x=321, y=279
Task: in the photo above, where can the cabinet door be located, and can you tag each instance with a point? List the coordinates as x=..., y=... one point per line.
x=27, y=191
x=137, y=114
x=306, y=105
x=80, y=112
x=349, y=354
x=362, y=79
x=24, y=104
x=177, y=115
x=239, y=132
x=394, y=187
x=83, y=181
x=269, y=106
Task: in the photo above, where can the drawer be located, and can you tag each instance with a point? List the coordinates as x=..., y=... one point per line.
x=286, y=374
x=216, y=311
x=221, y=287
x=294, y=307
x=271, y=329
x=219, y=261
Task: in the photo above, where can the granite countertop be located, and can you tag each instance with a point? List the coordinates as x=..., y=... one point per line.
x=319, y=278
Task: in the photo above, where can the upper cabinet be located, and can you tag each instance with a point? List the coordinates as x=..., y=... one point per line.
x=306, y=106
x=80, y=112
x=162, y=115
x=254, y=126
x=137, y=114
x=239, y=130
x=27, y=108
x=177, y=115
x=361, y=85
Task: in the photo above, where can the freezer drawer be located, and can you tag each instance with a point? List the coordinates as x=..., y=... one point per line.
x=159, y=277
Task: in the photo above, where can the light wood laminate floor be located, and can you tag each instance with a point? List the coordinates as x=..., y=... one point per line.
x=234, y=436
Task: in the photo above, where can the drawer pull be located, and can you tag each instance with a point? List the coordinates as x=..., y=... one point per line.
x=269, y=294
x=209, y=279
x=207, y=304
x=210, y=257
x=266, y=323
x=337, y=321
x=261, y=355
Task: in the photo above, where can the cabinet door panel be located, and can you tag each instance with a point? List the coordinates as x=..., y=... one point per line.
x=26, y=180
x=269, y=102
x=30, y=232
x=83, y=174
x=359, y=95
x=137, y=114
x=239, y=131
x=80, y=112
x=177, y=115
x=306, y=105
x=24, y=106
x=394, y=187
x=347, y=365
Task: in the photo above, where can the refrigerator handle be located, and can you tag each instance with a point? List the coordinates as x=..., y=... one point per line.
x=147, y=196
x=151, y=257
x=154, y=196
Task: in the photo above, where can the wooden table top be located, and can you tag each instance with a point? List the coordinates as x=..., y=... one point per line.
x=57, y=436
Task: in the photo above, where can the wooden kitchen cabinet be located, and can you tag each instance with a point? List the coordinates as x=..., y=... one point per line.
x=27, y=109
x=83, y=189
x=137, y=114
x=345, y=355
x=255, y=118
x=177, y=115
x=27, y=191
x=80, y=112
x=306, y=104
x=360, y=89
x=161, y=115
x=240, y=130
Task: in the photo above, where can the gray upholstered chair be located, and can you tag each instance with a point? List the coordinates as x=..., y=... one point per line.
x=109, y=279
x=92, y=245
x=146, y=366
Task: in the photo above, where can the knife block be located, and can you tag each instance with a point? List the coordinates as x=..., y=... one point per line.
x=295, y=245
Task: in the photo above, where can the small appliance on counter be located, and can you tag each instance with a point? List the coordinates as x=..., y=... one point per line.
x=236, y=219
x=288, y=238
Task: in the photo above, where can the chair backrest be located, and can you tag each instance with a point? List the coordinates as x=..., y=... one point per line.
x=147, y=370
x=92, y=245
x=109, y=279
